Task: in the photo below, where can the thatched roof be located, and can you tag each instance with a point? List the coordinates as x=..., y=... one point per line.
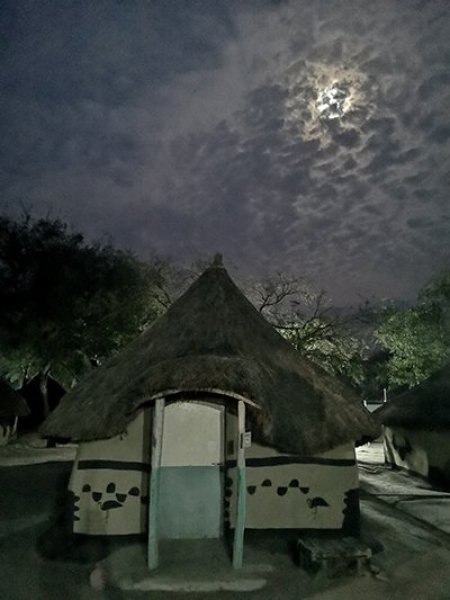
x=213, y=339
x=11, y=402
x=425, y=406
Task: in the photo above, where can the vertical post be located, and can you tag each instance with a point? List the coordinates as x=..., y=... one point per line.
x=238, y=545
x=157, y=435
x=384, y=395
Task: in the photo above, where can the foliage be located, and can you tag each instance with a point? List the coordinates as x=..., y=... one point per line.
x=66, y=304
x=417, y=338
x=309, y=322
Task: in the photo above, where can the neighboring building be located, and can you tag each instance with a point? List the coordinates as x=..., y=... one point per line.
x=417, y=428
x=167, y=421
x=32, y=393
x=12, y=406
x=373, y=405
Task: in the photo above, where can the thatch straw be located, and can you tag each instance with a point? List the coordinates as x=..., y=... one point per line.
x=212, y=338
x=425, y=406
x=11, y=402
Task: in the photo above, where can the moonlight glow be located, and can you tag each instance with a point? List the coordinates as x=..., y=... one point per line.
x=320, y=95
x=333, y=102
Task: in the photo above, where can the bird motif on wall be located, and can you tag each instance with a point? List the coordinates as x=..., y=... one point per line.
x=315, y=502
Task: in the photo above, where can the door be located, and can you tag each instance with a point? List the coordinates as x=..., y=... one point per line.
x=191, y=477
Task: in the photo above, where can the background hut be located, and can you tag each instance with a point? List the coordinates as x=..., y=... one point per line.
x=215, y=370
x=33, y=393
x=417, y=428
x=12, y=406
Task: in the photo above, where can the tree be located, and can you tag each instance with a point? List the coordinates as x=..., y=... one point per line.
x=417, y=338
x=308, y=321
x=66, y=304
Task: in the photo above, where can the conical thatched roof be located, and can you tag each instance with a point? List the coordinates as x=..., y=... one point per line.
x=11, y=403
x=213, y=339
x=425, y=406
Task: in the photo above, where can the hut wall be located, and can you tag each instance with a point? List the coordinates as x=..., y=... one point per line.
x=424, y=453
x=286, y=491
x=110, y=477
x=191, y=488
x=110, y=482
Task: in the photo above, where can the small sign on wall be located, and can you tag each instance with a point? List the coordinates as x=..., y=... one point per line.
x=246, y=439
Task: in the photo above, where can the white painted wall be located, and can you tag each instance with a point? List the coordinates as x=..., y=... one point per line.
x=192, y=437
x=427, y=449
x=268, y=509
x=132, y=445
x=131, y=516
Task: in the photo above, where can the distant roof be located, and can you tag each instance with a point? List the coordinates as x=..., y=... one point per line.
x=212, y=340
x=425, y=406
x=11, y=402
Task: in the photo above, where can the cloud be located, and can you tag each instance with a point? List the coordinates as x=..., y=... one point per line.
x=295, y=134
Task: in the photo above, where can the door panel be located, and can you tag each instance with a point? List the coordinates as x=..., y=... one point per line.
x=191, y=502
x=191, y=484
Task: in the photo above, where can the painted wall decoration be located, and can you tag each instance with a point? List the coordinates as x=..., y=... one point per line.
x=424, y=453
x=351, y=512
x=110, y=482
x=198, y=476
x=111, y=498
x=286, y=491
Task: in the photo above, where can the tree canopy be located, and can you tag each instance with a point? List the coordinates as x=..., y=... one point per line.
x=66, y=303
x=309, y=322
x=417, y=338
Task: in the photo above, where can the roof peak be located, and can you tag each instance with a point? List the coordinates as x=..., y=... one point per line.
x=217, y=262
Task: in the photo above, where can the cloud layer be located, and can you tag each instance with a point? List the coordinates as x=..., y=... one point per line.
x=192, y=127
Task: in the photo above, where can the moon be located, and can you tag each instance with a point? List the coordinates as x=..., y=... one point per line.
x=320, y=95
x=333, y=102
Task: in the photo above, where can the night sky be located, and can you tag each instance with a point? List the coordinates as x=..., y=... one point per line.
x=309, y=136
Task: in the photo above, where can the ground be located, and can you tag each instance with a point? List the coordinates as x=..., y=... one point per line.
x=406, y=522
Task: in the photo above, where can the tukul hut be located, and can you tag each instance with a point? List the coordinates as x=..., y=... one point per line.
x=12, y=406
x=416, y=428
x=210, y=420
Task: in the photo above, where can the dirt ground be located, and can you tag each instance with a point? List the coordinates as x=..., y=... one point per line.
x=403, y=519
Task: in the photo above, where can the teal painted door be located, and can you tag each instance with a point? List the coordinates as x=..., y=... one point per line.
x=191, y=502
x=191, y=483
